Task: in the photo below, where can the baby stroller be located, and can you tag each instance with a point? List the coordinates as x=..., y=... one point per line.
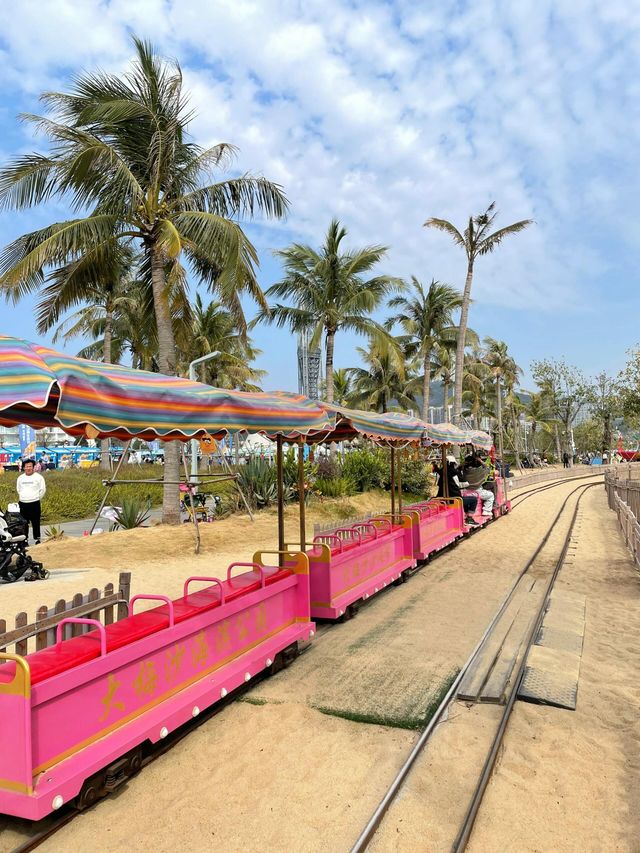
x=14, y=560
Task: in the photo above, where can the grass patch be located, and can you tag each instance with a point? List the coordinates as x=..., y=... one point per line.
x=252, y=700
x=410, y=723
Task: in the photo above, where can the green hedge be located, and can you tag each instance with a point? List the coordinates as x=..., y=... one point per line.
x=77, y=493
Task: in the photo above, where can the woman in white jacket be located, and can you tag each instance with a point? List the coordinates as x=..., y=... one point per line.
x=31, y=489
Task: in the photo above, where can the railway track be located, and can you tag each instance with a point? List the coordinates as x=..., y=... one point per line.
x=536, y=490
x=466, y=827
x=50, y=826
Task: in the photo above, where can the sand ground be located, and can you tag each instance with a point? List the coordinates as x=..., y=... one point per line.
x=284, y=774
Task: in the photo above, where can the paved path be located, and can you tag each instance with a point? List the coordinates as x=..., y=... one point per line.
x=77, y=528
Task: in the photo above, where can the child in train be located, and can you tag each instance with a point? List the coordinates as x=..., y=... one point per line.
x=476, y=473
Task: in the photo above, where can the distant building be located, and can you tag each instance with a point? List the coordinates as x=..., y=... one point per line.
x=309, y=367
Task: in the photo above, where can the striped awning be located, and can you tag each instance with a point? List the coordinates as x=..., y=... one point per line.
x=480, y=439
x=390, y=428
x=45, y=388
x=447, y=433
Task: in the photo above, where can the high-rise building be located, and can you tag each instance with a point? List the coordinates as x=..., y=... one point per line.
x=309, y=367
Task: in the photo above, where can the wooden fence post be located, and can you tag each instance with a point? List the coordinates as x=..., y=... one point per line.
x=124, y=592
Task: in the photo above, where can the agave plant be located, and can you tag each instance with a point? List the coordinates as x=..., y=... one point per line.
x=133, y=513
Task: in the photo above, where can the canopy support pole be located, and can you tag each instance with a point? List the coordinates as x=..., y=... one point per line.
x=194, y=515
x=125, y=452
x=301, y=496
x=399, y=480
x=393, y=481
x=445, y=472
x=280, y=481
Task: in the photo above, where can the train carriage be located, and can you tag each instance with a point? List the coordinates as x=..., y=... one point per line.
x=80, y=706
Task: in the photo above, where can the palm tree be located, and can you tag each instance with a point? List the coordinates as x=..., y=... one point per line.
x=505, y=370
x=476, y=240
x=213, y=330
x=120, y=149
x=381, y=382
x=331, y=294
x=97, y=277
x=475, y=386
x=426, y=318
x=342, y=386
x=443, y=368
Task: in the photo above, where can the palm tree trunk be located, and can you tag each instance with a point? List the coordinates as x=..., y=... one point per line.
x=499, y=419
x=105, y=460
x=167, y=364
x=445, y=399
x=462, y=335
x=426, y=386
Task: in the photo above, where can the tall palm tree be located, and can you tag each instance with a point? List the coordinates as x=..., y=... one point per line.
x=332, y=294
x=120, y=150
x=381, y=382
x=426, y=318
x=505, y=371
x=476, y=240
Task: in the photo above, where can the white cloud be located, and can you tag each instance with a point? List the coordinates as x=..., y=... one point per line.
x=385, y=114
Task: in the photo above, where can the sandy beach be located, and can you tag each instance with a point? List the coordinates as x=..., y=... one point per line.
x=289, y=764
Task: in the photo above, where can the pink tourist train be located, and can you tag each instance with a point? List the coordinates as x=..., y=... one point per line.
x=77, y=714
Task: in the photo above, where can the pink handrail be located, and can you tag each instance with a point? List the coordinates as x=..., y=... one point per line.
x=330, y=536
x=164, y=598
x=185, y=588
x=72, y=621
x=350, y=531
x=254, y=566
x=369, y=525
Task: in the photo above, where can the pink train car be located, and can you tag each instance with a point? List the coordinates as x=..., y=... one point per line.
x=71, y=710
x=437, y=523
x=353, y=563
x=501, y=504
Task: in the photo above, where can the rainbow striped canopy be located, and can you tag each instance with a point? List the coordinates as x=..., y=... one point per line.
x=390, y=428
x=44, y=388
x=447, y=433
x=480, y=439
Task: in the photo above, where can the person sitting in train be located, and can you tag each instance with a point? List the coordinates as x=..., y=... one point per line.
x=456, y=485
x=476, y=473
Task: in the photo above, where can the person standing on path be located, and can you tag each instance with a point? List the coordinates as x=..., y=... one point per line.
x=31, y=489
x=565, y=459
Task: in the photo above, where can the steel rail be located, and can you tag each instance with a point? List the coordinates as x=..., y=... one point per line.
x=376, y=818
x=466, y=829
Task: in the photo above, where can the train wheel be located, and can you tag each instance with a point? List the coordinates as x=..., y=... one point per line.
x=90, y=792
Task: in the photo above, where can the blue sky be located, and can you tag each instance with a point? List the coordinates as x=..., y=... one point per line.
x=386, y=113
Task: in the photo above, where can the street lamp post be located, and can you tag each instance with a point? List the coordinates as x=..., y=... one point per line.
x=194, y=442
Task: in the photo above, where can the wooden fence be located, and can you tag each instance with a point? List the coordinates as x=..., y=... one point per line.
x=110, y=605
x=622, y=484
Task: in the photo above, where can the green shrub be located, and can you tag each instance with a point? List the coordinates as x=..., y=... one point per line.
x=77, y=493
x=258, y=481
x=335, y=487
x=367, y=469
x=416, y=477
x=133, y=513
